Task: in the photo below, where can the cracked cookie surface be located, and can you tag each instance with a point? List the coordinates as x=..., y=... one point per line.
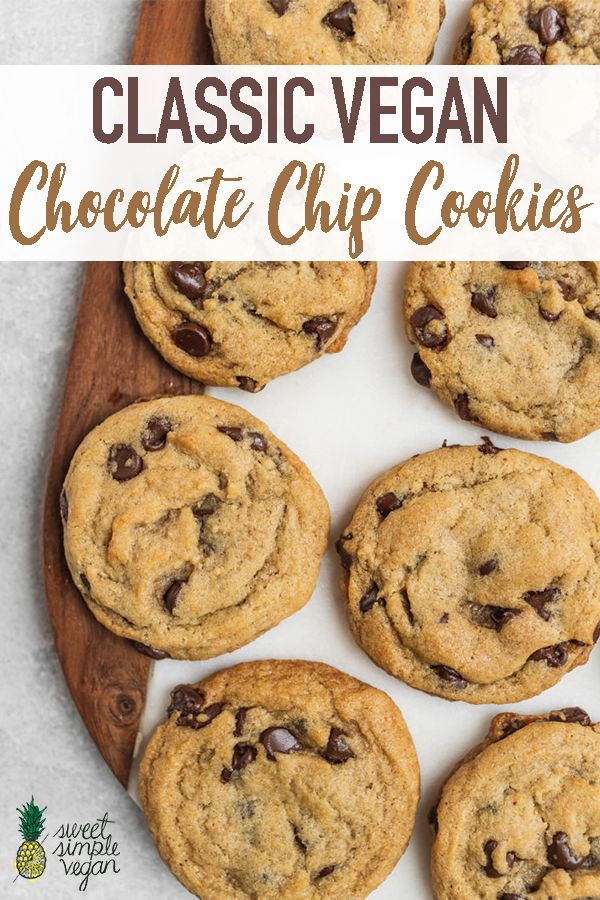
x=531, y=32
x=474, y=573
x=512, y=346
x=189, y=527
x=280, y=779
x=520, y=816
x=324, y=32
x=243, y=324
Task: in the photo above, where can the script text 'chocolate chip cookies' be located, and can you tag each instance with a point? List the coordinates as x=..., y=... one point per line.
x=189, y=527
x=324, y=32
x=520, y=816
x=280, y=779
x=474, y=573
x=512, y=346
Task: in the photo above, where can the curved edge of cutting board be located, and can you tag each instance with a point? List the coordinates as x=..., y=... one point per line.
x=111, y=364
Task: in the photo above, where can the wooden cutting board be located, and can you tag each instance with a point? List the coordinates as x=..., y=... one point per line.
x=111, y=364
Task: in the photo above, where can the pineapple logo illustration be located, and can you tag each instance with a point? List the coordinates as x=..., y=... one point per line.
x=31, y=858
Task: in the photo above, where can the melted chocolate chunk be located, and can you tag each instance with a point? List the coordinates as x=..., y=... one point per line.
x=515, y=265
x=123, y=462
x=245, y=383
x=567, y=290
x=487, y=447
x=484, y=302
x=345, y=557
x=231, y=431
x=171, y=595
x=419, y=321
x=340, y=19
x=488, y=849
x=451, y=676
x=420, y=372
x=489, y=566
x=280, y=6
x=486, y=340
x=337, y=750
x=321, y=328
x=279, y=740
x=325, y=872
x=387, y=503
x=539, y=599
x=226, y=775
x=186, y=699
x=406, y=606
x=63, y=504
x=370, y=598
x=560, y=854
x=152, y=652
x=257, y=441
x=461, y=404
x=240, y=720
x=548, y=316
x=188, y=278
x=494, y=617
x=206, y=507
x=550, y=25
x=243, y=755
x=523, y=55
x=298, y=841
x=154, y=435
x=549, y=436
x=193, y=339
x=554, y=657
x=572, y=715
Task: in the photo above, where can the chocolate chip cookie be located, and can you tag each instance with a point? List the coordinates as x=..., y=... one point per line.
x=189, y=527
x=513, y=346
x=520, y=817
x=324, y=32
x=280, y=779
x=531, y=33
x=243, y=324
x=474, y=573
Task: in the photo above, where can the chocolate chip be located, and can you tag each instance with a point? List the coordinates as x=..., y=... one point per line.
x=211, y=712
x=279, y=740
x=299, y=843
x=193, y=339
x=488, y=849
x=560, y=854
x=186, y=699
x=485, y=302
x=548, y=316
x=123, y=462
x=572, y=715
x=226, y=775
x=370, y=598
x=171, y=595
x=550, y=25
x=345, y=557
x=406, y=606
x=554, y=657
x=243, y=755
x=419, y=321
x=152, y=652
x=337, y=750
x=188, y=278
x=84, y=581
x=280, y=6
x=231, y=431
x=320, y=327
x=489, y=566
x=539, y=599
x=245, y=383
x=515, y=265
x=596, y=634
x=488, y=448
x=451, y=676
x=341, y=19
x=240, y=720
x=593, y=314
x=549, y=436
x=567, y=290
x=328, y=869
x=523, y=55
x=444, y=618
x=63, y=504
x=486, y=340
x=154, y=435
x=387, y=503
x=432, y=818
x=206, y=507
x=257, y=441
x=494, y=617
x=419, y=371
x=515, y=723
x=461, y=404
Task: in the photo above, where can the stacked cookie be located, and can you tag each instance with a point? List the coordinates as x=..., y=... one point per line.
x=468, y=572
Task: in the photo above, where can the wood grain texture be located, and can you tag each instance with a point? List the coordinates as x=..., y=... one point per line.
x=111, y=364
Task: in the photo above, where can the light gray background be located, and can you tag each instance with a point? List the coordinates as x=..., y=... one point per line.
x=44, y=747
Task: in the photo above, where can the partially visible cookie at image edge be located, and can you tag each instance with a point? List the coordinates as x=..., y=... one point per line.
x=512, y=346
x=280, y=778
x=242, y=324
x=189, y=527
